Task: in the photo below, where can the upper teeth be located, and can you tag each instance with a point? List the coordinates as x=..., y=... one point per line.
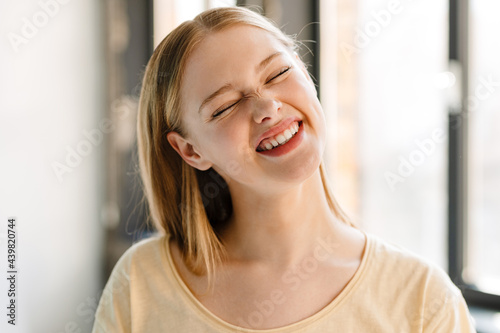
x=280, y=138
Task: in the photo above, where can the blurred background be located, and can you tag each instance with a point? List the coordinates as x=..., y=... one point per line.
x=411, y=92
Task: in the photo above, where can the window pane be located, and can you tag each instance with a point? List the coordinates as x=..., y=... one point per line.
x=483, y=268
x=395, y=113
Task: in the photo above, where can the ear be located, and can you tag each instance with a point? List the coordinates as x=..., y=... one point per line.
x=304, y=69
x=188, y=152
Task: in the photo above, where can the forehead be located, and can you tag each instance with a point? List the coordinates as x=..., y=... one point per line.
x=229, y=56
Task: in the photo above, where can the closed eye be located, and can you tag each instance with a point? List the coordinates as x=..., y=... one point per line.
x=220, y=111
x=283, y=71
x=224, y=109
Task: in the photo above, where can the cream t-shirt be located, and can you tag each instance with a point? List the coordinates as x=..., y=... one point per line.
x=393, y=290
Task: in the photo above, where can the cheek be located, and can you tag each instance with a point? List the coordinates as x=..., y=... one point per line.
x=300, y=93
x=227, y=142
x=230, y=157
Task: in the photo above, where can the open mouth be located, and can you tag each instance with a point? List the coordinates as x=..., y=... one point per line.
x=281, y=138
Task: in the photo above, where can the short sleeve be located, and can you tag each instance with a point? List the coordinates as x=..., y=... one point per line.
x=446, y=310
x=113, y=312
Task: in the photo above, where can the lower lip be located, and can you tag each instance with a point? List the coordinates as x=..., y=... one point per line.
x=287, y=147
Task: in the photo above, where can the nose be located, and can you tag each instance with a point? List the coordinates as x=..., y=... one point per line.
x=265, y=108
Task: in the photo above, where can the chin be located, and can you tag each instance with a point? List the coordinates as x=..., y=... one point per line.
x=305, y=168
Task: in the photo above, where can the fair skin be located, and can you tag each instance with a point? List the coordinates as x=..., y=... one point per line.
x=281, y=220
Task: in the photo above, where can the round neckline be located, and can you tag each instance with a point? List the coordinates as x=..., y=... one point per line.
x=219, y=323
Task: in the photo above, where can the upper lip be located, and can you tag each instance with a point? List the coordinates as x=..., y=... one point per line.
x=280, y=127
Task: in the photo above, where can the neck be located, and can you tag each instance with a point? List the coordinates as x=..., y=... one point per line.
x=280, y=227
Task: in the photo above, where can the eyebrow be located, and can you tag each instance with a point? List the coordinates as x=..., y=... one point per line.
x=266, y=61
x=228, y=86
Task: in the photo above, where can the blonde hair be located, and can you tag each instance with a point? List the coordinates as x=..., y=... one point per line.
x=173, y=188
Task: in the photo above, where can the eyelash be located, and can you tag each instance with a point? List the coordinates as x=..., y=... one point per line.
x=219, y=112
x=283, y=71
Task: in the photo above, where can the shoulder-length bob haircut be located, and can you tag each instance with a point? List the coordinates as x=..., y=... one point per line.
x=190, y=205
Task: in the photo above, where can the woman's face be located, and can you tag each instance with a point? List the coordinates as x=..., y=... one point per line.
x=244, y=92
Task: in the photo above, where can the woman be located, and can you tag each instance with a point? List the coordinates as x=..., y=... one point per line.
x=231, y=137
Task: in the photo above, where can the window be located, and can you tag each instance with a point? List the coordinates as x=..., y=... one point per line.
x=170, y=13
x=390, y=127
x=415, y=123
x=482, y=257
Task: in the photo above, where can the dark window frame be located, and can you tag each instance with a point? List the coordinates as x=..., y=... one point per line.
x=458, y=159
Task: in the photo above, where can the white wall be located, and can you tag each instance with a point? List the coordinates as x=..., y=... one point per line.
x=51, y=91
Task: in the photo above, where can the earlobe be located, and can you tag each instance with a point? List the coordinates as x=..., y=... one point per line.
x=188, y=152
